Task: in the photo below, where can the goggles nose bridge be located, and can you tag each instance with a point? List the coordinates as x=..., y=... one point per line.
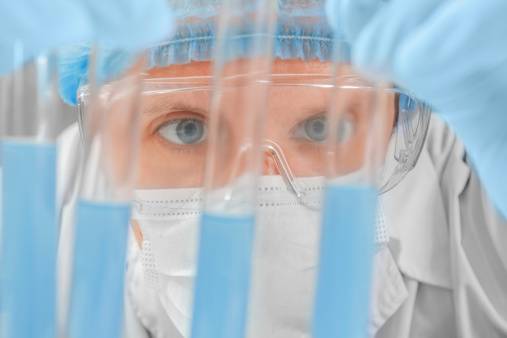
x=269, y=165
x=273, y=154
x=275, y=162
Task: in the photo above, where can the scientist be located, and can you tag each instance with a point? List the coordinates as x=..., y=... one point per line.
x=449, y=277
x=175, y=124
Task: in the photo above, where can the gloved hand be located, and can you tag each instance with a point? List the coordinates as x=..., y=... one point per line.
x=450, y=53
x=39, y=25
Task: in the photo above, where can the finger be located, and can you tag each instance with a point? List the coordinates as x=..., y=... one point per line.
x=355, y=15
x=465, y=42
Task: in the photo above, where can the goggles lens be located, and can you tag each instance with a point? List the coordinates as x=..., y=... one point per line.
x=175, y=117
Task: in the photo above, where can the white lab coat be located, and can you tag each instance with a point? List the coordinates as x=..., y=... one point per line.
x=444, y=272
x=448, y=242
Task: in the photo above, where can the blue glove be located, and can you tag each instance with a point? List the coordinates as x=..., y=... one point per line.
x=40, y=25
x=452, y=54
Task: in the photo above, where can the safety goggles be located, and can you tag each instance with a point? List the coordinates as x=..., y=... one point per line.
x=175, y=125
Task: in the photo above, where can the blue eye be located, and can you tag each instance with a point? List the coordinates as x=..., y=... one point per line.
x=315, y=129
x=184, y=131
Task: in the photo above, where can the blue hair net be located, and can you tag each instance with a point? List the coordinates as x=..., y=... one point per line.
x=302, y=32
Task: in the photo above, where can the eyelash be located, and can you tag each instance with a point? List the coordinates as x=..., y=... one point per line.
x=172, y=116
x=166, y=118
x=169, y=117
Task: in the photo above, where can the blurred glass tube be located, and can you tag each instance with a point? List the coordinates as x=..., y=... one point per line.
x=242, y=58
x=348, y=220
x=30, y=122
x=3, y=106
x=103, y=207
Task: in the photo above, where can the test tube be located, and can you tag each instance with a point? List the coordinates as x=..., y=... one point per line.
x=31, y=119
x=242, y=65
x=103, y=208
x=347, y=243
x=3, y=106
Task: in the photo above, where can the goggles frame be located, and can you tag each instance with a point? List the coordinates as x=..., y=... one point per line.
x=410, y=125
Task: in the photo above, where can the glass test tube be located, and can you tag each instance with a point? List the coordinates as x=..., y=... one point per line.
x=348, y=221
x=31, y=119
x=242, y=64
x=103, y=208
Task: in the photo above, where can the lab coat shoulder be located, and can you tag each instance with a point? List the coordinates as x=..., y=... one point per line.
x=416, y=212
x=477, y=233
x=478, y=254
x=416, y=215
x=446, y=238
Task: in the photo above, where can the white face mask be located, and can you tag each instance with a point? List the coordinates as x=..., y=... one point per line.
x=285, y=255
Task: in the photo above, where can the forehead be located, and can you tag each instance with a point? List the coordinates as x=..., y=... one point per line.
x=303, y=95
x=205, y=68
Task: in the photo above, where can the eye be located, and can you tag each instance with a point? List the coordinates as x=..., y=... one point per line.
x=313, y=129
x=184, y=131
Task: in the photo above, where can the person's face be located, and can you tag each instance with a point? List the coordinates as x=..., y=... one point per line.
x=175, y=124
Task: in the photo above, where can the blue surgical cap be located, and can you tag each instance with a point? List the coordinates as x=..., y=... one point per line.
x=302, y=32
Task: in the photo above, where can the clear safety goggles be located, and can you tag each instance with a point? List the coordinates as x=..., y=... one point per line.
x=174, y=129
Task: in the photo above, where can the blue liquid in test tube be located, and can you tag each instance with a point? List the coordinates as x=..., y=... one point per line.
x=30, y=235
x=223, y=277
x=96, y=308
x=1, y=250
x=346, y=255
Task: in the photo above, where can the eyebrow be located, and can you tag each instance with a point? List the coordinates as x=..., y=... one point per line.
x=162, y=106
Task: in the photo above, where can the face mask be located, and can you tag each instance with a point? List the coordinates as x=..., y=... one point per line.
x=284, y=258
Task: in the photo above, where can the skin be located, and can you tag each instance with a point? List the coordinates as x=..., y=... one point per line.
x=166, y=164
x=291, y=101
